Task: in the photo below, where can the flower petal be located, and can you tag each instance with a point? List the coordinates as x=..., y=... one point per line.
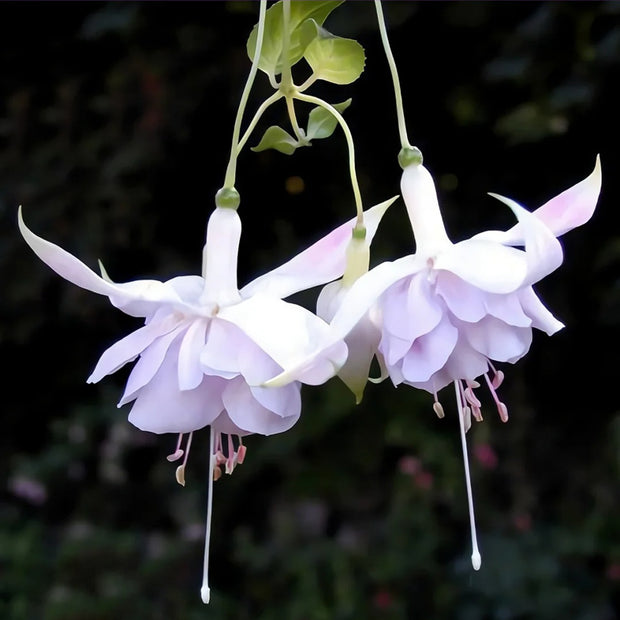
x=574, y=206
x=429, y=352
x=149, y=363
x=162, y=408
x=128, y=348
x=136, y=298
x=358, y=300
x=283, y=401
x=498, y=341
x=220, y=354
x=286, y=332
x=534, y=308
x=487, y=265
x=248, y=414
x=190, y=371
x=466, y=302
x=543, y=251
x=320, y=263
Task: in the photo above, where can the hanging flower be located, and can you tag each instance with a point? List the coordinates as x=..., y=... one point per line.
x=450, y=310
x=206, y=346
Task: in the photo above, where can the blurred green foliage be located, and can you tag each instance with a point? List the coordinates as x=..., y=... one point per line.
x=115, y=123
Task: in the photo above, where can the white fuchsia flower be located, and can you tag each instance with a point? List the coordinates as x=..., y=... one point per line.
x=452, y=309
x=206, y=346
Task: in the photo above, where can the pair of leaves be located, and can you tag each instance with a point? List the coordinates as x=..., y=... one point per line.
x=334, y=59
x=321, y=124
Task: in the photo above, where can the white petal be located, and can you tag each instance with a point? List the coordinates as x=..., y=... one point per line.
x=137, y=298
x=569, y=209
x=127, y=349
x=149, y=363
x=248, y=414
x=286, y=332
x=329, y=300
x=543, y=251
x=574, y=206
x=356, y=302
x=190, y=371
x=534, y=308
x=320, y=263
x=487, y=265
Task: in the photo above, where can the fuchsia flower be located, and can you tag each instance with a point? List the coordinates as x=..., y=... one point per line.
x=206, y=346
x=450, y=310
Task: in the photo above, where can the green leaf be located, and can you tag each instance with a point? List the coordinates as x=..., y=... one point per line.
x=278, y=139
x=322, y=123
x=301, y=11
x=334, y=59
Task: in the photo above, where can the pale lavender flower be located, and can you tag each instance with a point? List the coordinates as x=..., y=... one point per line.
x=450, y=310
x=206, y=346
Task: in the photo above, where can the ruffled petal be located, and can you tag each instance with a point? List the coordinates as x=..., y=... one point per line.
x=127, y=349
x=534, y=308
x=507, y=308
x=162, y=408
x=429, y=352
x=466, y=302
x=322, y=262
x=220, y=354
x=498, y=341
x=284, y=401
x=248, y=414
x=190, y=371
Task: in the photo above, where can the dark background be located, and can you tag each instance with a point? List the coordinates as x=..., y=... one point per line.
x=115, y=126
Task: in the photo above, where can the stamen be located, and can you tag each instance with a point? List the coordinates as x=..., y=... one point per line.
x=498, y=376
x=205, y=591
x=476, y=559
x=471, y=398
x=501, y=407
x=437, y=408
x=178, y=453
x=241, y=450
x=180, y=473
x=231, y=461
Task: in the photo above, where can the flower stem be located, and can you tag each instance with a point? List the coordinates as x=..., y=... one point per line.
x=261, y=110
x=205, y=591
x=475, y=554
x=402, y=128
x=231, y=170
x=349, y=137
